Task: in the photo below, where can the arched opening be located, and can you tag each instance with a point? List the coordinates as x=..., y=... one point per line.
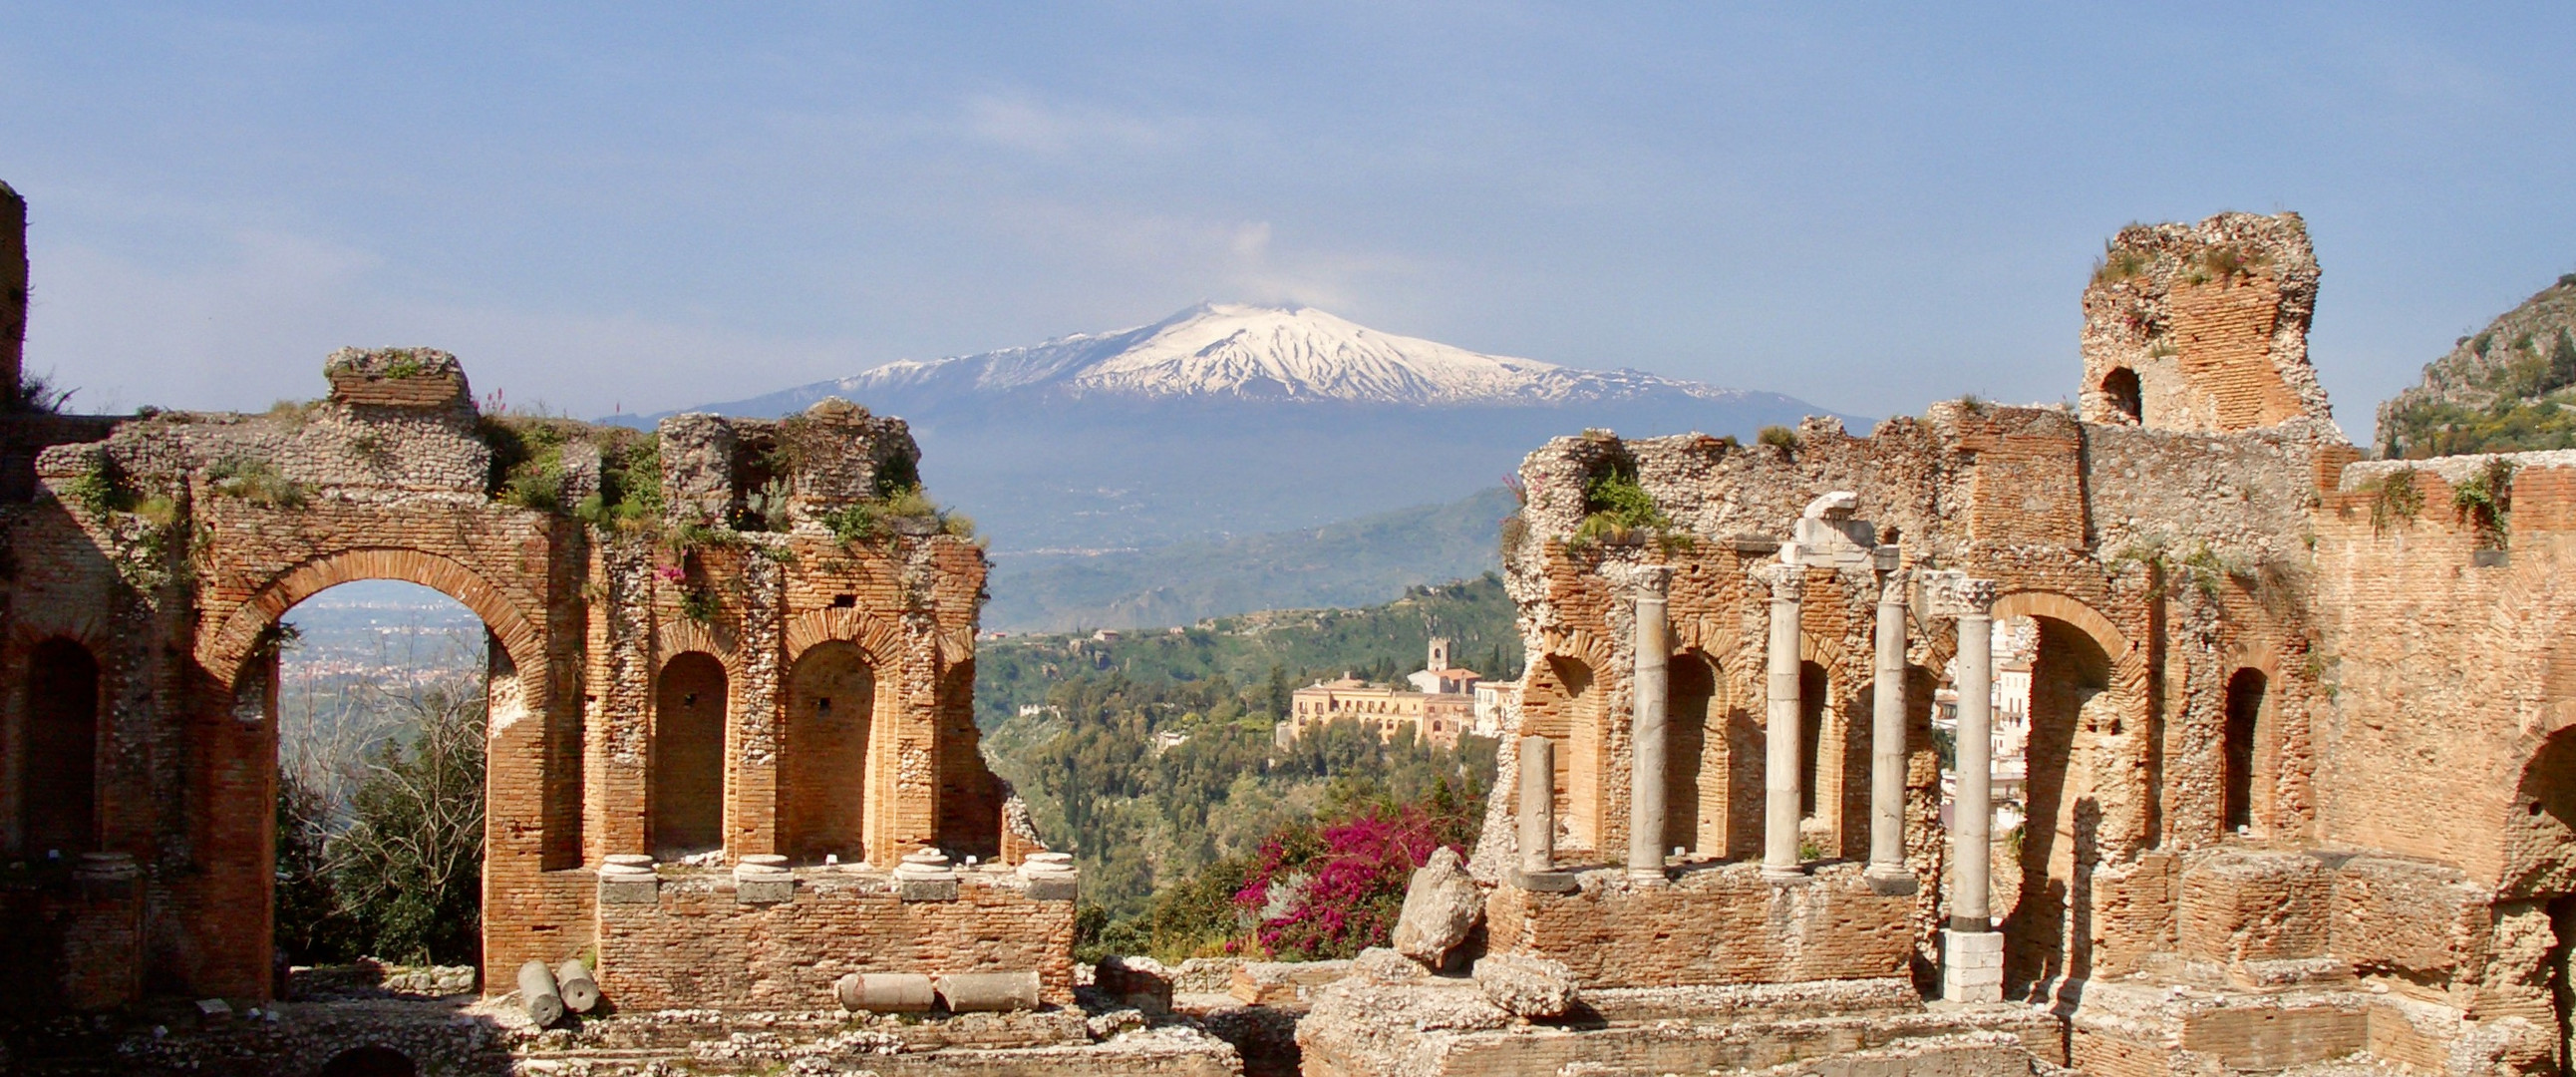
x=58, y=799
x=1695, y=762
x=2126, y=397
x=831, y=707
x=688, y=756
x=1562, y=706
x=370, y=1062
x=380, y=692
x=2244, y=722
x=2052, y=853
x=1812, y=688
x=970, y=798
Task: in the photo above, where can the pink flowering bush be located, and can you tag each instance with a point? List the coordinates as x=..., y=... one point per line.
x=1330, y=892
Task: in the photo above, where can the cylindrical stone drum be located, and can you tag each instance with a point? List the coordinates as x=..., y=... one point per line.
x=574, y=983
x=883, y=992
x=538, y=993
x=970, y=992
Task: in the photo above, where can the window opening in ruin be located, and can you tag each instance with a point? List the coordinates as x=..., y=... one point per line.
x=1695, y=787
x=59, y=801
x=381, y=693
x=2058, y=840
x=2244, y=714
x=1811, y=736
x=688, y=757
x=2126, y=395
x=1567, y=711
x=831, y=697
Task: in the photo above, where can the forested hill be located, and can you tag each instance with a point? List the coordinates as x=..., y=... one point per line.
x=2507, y=388
x=1150, y=757
x=1253, y=650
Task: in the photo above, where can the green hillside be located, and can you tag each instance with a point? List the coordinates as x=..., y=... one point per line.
x=2507, y=388
x=1350, y=563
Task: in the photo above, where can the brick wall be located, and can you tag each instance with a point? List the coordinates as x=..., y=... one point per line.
x=697, y=947
x=1723, y=925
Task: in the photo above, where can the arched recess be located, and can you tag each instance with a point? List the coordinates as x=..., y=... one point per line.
x=2242, y=755
x=2072, y=710
x=1708, y=740
x=970, y=796
x=1564, y=705
x=2540, y=868
x=687, y=792
x=58, y=776
x=831, y=715
x=2121, y=389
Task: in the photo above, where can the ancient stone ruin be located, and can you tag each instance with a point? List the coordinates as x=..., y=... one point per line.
x=2277, y=735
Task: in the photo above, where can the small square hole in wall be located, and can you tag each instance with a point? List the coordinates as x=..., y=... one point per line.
x=2489, y=558
x=843, y=602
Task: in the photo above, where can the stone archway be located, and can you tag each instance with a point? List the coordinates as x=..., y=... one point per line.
x=2074, y=716
x=523, y=834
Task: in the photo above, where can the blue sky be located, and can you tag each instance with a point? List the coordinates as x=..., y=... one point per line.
x=1871, y=208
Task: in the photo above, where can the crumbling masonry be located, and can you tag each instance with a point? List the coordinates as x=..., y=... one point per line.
x=2299, y=782
x=730, y=697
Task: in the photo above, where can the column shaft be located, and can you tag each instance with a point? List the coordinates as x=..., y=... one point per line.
x=1646, y=737
x=1538, y=805
x=1887, y=736
x=1972, y=816
x=1781, y=770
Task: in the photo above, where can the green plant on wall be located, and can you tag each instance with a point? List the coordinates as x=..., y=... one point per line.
x=258, y=482
x=2394, y=499
x=1616, y=507
x=2485, y=502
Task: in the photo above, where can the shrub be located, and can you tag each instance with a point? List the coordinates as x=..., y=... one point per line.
x=853, y=523
x=101, y=489
x=1331, y=892
x=1615, y=506
x=258, y=482
x=2485, y=502
x=2394, y=499
x=1781, y=437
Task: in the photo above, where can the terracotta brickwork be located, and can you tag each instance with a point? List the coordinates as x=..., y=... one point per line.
x=1723, y=925
x=698, y=945
x=2203, y=327
x=641, y=699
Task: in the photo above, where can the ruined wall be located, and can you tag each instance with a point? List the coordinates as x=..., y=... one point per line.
x=701, y=945
x=2203, y=327
x=165, y=548
x=1719, y=925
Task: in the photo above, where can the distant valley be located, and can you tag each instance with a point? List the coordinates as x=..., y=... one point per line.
x=1231, y=457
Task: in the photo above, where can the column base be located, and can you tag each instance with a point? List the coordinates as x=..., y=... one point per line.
x=1972, y=966
x=1892, y=881
x=1648, y=877
x=1790, y=874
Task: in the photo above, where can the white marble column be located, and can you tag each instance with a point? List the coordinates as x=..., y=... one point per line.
x=1538, y=805
x=1781, y=772
x=1971, y=949
x=1887, y=735
x=1648, y=693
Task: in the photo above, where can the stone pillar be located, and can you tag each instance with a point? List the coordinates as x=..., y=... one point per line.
x=1972, y=951
x=1781, y=770
x=1647, y=695
x=1538, y=809
x=1887, y=736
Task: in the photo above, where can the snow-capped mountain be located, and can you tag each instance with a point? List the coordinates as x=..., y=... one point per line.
x=1228, y=351
x=1229, y=420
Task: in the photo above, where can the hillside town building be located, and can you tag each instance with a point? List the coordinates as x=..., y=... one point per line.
x=1438, y=707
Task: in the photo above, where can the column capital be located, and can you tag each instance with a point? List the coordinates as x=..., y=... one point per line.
x=1893, y=585
x=1787, y=582
x=1651, y=582
x=1957, y=594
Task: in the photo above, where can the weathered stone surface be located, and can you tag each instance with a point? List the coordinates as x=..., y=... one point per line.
x=1527, y=986
x=1441, y=907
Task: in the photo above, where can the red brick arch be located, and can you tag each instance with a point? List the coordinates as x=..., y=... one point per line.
x=2073, y=611
x=224, y=650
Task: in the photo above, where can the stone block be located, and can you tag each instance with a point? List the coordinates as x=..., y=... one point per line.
x=1545, y=882
x=773, y=891
x=2244, y=905
x=1054, y=889
x=926, y=889
x=1972, y=966
x=630, y=891
x=1526, y=986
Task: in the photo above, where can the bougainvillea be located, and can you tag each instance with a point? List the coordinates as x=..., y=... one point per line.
x=1329, y=892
